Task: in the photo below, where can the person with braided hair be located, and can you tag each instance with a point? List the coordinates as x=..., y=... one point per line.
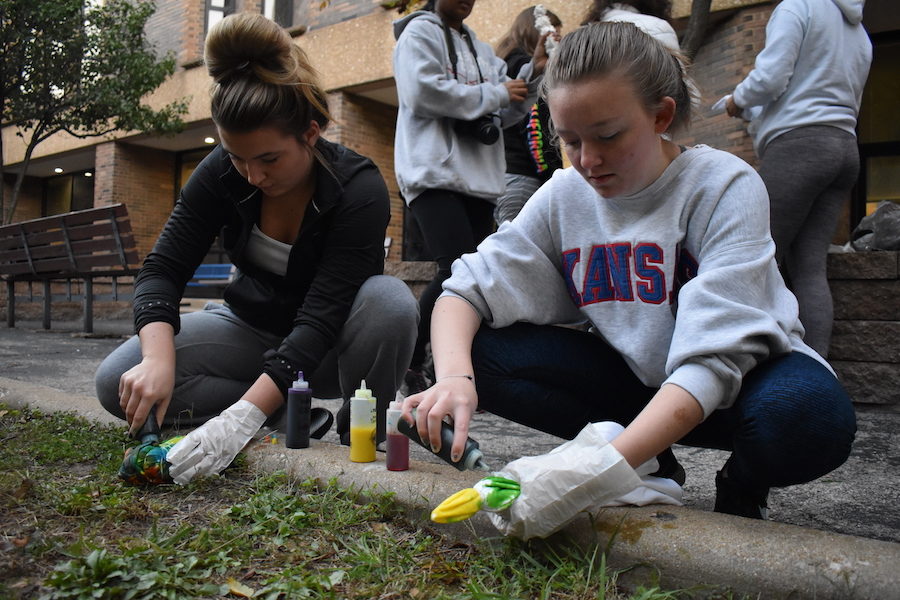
x=303, y=220
x=659, y=257
x=531, y=155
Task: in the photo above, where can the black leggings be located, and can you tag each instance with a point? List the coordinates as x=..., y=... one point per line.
x=452, y=224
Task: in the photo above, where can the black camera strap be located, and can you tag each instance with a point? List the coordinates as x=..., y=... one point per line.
x=451, y=50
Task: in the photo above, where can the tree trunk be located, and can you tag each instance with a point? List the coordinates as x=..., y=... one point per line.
x=7, y=217
x=696, y=28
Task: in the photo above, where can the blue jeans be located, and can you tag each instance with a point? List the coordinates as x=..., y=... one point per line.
x=792, y=421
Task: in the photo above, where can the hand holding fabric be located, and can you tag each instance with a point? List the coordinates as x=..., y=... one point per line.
x=582, y=474
x=211, y=447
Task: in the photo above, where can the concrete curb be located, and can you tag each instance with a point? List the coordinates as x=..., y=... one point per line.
x=704, y=551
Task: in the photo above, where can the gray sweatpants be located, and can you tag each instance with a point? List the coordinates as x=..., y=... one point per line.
x=519, y=189
x=218, y=357
x=809, y=173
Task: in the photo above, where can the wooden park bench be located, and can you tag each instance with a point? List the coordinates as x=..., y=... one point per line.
x=81, y=246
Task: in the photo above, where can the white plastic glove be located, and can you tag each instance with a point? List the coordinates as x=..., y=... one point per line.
x=582, y=474
x=748, y=114
x=211, y=447
x=719, y=107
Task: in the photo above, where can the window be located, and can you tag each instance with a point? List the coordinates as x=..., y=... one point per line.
x=216, y=10
x=879, y=129
x=68, y=192
x=280, y=11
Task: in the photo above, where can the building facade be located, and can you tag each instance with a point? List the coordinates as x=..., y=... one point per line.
x=350, y=43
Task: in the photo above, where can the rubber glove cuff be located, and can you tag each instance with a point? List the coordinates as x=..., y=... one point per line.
x=581, y=474
x=211, y=447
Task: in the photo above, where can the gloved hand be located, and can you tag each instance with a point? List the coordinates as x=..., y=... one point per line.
x=211, y=447
x=583, y=473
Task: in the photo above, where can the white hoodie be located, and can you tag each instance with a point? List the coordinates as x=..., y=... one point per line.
x=812, y=70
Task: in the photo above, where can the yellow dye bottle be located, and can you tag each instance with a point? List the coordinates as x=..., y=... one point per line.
x=362, y=425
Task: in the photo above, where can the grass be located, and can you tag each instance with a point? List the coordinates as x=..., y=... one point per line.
x=70, y=529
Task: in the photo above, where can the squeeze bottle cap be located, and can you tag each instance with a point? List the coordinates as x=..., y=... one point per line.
x=395, y=405
x=363, y=392
x=473, y=460
x=300, y=383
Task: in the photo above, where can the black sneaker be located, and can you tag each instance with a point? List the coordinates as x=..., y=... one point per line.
x=414, y=382
x=669, y=467
x=732, y=500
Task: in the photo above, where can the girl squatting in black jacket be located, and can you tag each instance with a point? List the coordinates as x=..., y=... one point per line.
x=303, y=220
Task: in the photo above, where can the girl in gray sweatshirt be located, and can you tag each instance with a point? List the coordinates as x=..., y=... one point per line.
x=658, y=257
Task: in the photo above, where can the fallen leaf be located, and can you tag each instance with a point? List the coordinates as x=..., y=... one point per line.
x=239, y=589
x=23, y=489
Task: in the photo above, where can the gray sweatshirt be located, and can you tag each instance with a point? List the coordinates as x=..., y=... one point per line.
x=679, y=278
x=428, y=152
x=812, y=70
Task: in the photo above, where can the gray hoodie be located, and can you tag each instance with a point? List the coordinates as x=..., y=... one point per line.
x=812, y=70
x=428, y=152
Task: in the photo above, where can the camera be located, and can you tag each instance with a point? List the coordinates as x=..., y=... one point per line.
x=483, y=129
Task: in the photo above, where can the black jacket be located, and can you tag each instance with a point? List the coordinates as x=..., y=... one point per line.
x=528, y=144
x=339, y=246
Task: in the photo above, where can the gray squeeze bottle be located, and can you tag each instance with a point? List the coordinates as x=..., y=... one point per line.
x=471, y=457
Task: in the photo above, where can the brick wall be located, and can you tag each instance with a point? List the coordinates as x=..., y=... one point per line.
x=177, y=27
x=367, y=127
x=724, y=60
x=141, y=178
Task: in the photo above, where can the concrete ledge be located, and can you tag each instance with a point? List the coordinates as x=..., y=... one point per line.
x=686, y=548
x=21, y=393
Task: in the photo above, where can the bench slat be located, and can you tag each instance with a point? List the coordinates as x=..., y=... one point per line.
x=80, y=248
x=83, y=245
x=44, y=237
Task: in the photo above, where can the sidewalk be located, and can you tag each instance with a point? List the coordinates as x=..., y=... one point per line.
x=833, y=538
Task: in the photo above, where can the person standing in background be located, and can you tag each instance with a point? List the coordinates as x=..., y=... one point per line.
x=531, y=155
x=652, y=16
x=808, y=82
x=454, y=96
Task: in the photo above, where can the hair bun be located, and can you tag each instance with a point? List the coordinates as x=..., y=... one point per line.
x=245, y=43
